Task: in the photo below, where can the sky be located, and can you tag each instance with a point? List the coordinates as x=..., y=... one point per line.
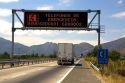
x=112, y=21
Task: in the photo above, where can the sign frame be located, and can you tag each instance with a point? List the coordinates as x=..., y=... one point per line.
x=90, y=26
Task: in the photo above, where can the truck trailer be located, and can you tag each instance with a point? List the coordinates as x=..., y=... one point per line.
x=65, y=54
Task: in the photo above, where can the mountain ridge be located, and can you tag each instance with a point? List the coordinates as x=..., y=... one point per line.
x=46, y=48
x=51, y=48
x=117, y=45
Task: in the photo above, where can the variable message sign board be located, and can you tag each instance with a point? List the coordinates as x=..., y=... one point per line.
x=69, y=19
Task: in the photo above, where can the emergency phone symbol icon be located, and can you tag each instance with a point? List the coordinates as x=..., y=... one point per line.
x=32, y=19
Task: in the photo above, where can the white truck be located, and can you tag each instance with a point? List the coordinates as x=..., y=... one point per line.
x=65, y=54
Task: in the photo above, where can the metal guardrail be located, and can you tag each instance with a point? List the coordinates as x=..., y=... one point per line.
x=21, y=62
x=94, y=67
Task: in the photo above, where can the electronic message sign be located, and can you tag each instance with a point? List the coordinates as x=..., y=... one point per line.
x=70, y=19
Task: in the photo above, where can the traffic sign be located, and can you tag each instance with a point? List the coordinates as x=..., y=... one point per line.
x=81, y=55
x=103, y=56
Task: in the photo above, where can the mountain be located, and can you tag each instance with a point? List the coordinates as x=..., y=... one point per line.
x=122, y=51
x=5, y=46
x=82, y=48
x=52, y=48
x=46, y=48
x=118, y=45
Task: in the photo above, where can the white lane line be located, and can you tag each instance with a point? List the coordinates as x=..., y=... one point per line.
x=66, y=74
x=17, y=75
x=25, y=73
x=11, y=77
x=22, y=73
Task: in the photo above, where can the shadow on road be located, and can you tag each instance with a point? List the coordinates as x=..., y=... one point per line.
x=78, y=65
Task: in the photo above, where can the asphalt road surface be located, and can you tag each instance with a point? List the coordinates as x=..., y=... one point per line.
x=82, y=73
x=39, y=73
x=49, y=73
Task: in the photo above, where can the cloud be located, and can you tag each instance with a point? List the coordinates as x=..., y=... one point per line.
x=18, y=25
x=119, y=15
x=44, y=33
x=8, y=1
x=124, y=33
x=89, y=20
x=33, y=40
x=45, y=7
x=65, y=1
x=76, y=41
x=86, y=32
x=27, y=40
x=5, y=12
x=5, y=27
x=117, y=30
x=34, y=37
x=81, y=32
x=120, y=1
x=123, y=36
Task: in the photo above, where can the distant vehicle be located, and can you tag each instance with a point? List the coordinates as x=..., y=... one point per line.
x=65, y=53
x=81, y=55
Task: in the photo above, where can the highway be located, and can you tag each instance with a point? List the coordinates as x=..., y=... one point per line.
x=50, y=72
x=38, y=73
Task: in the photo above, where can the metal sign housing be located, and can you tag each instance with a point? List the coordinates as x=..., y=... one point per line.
x=42, y=18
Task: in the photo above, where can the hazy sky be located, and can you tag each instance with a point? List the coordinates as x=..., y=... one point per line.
x=112, y=19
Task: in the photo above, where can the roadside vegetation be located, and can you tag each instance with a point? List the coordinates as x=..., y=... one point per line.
x=114, y=71
x=5, y=55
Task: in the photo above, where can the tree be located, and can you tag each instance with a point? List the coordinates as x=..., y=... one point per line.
x=114, y=55
x=5, y=55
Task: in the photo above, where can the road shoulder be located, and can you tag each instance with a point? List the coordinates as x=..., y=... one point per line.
x=82, y=73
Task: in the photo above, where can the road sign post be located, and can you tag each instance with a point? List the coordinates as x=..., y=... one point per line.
x=103, y=56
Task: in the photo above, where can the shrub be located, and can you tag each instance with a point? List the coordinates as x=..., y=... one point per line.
x=114, y=55
x=5, y=55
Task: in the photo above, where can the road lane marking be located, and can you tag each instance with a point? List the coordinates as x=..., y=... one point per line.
x=25, y=73
x=66, y=74
x=17, y=75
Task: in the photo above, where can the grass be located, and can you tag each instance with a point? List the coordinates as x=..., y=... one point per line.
x=114, y=78
x=113, y=72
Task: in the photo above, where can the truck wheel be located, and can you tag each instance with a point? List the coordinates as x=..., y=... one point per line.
x=58, y=63
x=72, y=62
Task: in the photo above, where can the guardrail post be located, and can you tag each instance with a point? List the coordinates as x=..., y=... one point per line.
x=18, y=63
x=23, y=62
x=3, y=66
x=11, y=64
x=32, y=62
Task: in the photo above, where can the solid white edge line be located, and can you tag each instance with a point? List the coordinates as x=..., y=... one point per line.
x=66, y=74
